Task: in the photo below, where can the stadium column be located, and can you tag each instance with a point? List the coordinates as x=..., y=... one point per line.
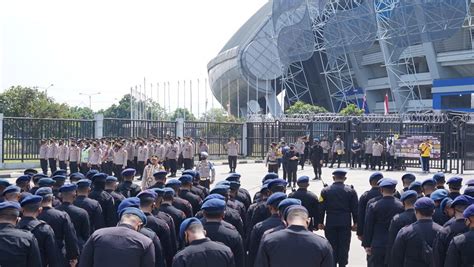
x=99, y=125
x=1, y=141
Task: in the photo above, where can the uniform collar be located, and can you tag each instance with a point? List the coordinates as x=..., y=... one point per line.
x=6, y=225
x=297, y=228
x=125, y=226
x=199, y=241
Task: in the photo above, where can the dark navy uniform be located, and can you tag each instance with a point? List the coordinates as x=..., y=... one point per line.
x=257, y=232
x=460, y=251
x=107, y=204
x=364, y=199
x=205, y=253
x=177, y=215
x=128, y=189
x=217, y=231
x=231, y=216
x=94, y=210
x=80, y=220
x=193, y=199
x=407, y=249
x=18, y=247
x=294, y=246
x=169, y=221
x=163, y=232
x=159, y=259
x=398, y=222
x=339, y=202
x=310, y=201
x=44, y=234
x=444, y=238
x=439, y=217
x=118, y=246
x=118, y=198
x=244, y=196
x=64, y=232
x=183, y=205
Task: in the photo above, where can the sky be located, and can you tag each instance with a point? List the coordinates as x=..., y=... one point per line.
x=109, y=46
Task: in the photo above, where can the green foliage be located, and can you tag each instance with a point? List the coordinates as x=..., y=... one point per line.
x=182, y=113
x=351, y=110
x=120, y=110
x=218, y=115
x=84, y=113
x=303, y=108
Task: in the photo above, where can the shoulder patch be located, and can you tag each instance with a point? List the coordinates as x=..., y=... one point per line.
x=321, y=199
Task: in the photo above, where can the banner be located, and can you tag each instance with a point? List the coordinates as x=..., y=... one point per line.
x=406, y=146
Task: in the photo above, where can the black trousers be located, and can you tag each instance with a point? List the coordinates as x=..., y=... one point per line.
x=73, y=167
x=368, y=161
x=377, y=259
x=180, y=161
x=232, y=163
x=52, y=165
x=107, y=167
x=326, y=159
x=188, y=164
x=84, y=168
x=206, y=183
x=140, y=167
x=390, y=162
x=337, y=157
x=285, y=171
x=173, y=166
x=356, y=159
x=376, y=161
x=273, y=168
x=62, y=165
x=317, y=168
x=340, y=239
x=292, y=169
x=44, y=166
x=95, y=167
x=302, y=160
x=118, y=172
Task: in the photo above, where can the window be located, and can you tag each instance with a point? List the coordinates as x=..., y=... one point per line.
x=461, y=101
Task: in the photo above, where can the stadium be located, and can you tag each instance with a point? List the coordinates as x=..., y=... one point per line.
x=419, y=54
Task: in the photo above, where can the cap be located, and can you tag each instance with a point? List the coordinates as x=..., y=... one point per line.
x=387, y=182
x=111, y=179
x=285, y=203
x=233, y=177
x=76, y=176
x=186, y=178
x=213, y=196
x=60, y=178
x=31, y=199
x=91, y=173
x=409, y=176
x=161, y=174
x=424, y=203
x=438, y=177
x=204, y=154
x=185, y=225
x=376, y=176
x=30, y=171
x=44, y=191
x=445, y=203
x=173, y=182
x=220, y=189
x=462, y=200
x=68, y=188
x=60, y=172
x=99, y=177
x=275, y=199
x=408, y=194
x=469, y=191
x=168, y=192
x=83, y=183
x=213, y=206
x=269, y=176
x=303, y=179
x=316, y=140
x=135, y=211
x=339, y=172
x=11, y=189
x=23, y=178
x=127, y=203
x=46, y=182
x=468, y=212
x=428, y=182
x=277, y=182
x=439, y=194
x=4, y=182
x=189, y=172
x=159, y=191
x=234, y=185
x=224, y=182
x=414, y=185
x=9, y=205
x=147, y=194
x=129, y=172
x=455, y=180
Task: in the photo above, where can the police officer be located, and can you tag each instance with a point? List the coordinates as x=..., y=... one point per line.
x=160, y=179
x=292, y=157
x=316, y=156
x=188, y=153
x=110, y=187
x=12, y=193
x=295, y=246
x=308, y=199
x=377, y=222
x=401, y=220
x=231, y=200
x=105, y=200
x=17, y=247
x=409, y=247
x=339, y=202
x=243, y=194
x=92, y=206
x=127, y=188
x=23, y=182
x=407, y=179
x=79, y=217
x=106, y=246
x=446, y=235
x=165, y=217
x=64, y=232
x=171, y=155
x=206, y=171
x=200, y=250
x=196, y=188
x=120, y=156
x=167, y=207
x=460, y=249
x=454, y=184
x=178, y=202
x=273, y=221
x=437, y=196
x=428, y=186
x=185, y=192
x=44, y=234
x=374, y=192
x=440, y=180
x=232, y=148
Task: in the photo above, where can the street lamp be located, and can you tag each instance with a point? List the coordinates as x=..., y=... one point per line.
x=90, y=97
x=46, y=90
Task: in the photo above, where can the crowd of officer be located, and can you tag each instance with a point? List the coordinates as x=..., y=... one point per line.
x=95, y=220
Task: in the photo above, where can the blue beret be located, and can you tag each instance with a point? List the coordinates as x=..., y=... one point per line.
x=68, y=188
x=316, y=140
x=224, y=182
x=4, y=182
x=470, y=182
x=60, y=172
x=214, y=206
x=462, y=200
x=429, y=181
x=415, y=184
x=409, y=177
x=186, y=178
x=9, y=205
x=83, y=183
x=277, y=182
x=129, y=172
x=445, y=203
x=220, y=189
x=285, y=203
x=160, y=174
x=454, y=180
x=408, y=194
x=469, y=211
x=147, y=194
x=11, y=189
x=469, y=191
x=44, y=191
x=233, y=177
x=269, y=176
x=339, y=172
x=30, y=171
x=111, y=179
x=213, y=196
x=185, y=225
x=23, y=178
x=99, y=177
x=127, y=203
x=76, y=176
x=387, y=182
x=438, y=177
x=303, y=179
x=59, y=178
x=375, y=176
x=91, y=173
x=135, y=211
x=424, y=203
x=46, y=182
x=234, y=185
x=159, y=191
x=31, y=199
x=275, y=199
x=189, y=172
x=168, y=192
x=439, y=194
x=173, y=182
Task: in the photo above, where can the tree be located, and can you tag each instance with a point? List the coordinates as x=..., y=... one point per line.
x=182, y=113
x=351, y=110
x=121, y=111
x=303, y=108
x=218, y=115
x=83, y=113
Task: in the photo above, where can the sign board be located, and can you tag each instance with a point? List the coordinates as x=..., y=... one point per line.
x=406, y=146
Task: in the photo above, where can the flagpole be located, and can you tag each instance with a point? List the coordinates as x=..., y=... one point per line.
x=169, y=98
x=191, y=95
x=198, y=97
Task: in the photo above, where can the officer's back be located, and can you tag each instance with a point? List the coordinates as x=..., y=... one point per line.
x=105, y=200
x=92, y=206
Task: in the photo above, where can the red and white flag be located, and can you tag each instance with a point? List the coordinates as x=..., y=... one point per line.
x=385, y=104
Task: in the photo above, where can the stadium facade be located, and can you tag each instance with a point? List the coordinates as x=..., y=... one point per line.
x=331, y=53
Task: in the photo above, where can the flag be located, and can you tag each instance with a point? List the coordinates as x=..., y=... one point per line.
x=385, y=104
x=365, y=107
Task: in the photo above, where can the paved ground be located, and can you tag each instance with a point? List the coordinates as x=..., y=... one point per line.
x=252, y=174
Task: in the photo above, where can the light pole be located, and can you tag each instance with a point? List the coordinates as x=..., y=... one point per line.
x=90, y=97
x=46, y=90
